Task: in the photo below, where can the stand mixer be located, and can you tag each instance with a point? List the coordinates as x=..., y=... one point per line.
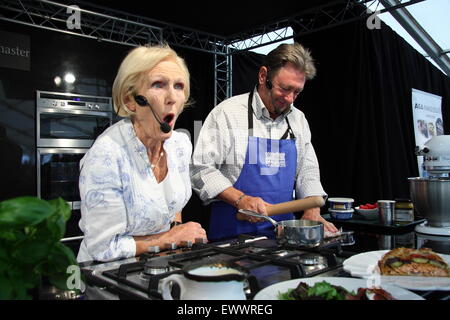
x=431, y=195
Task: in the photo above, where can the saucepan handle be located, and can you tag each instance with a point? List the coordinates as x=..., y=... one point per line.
x=257, y=215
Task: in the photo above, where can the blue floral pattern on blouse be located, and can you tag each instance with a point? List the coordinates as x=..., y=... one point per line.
x=120, y=197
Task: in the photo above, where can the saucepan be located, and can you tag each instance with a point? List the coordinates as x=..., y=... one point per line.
x=296, y=232
x=305, y=233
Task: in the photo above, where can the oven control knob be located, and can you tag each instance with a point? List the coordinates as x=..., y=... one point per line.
x=200, y=240
x=153, y=249
x=187, y=244
x=170, y=246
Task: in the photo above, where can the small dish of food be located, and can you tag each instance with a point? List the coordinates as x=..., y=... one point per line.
x=366, y=213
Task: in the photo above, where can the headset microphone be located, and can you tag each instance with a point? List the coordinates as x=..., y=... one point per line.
x=142, y=101
x=269, y=84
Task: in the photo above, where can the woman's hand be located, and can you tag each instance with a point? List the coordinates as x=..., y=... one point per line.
x=184, y=232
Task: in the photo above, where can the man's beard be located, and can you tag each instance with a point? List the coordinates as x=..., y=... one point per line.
x=277, y=110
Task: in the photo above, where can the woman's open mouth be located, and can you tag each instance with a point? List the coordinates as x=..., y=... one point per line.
x=169, y=119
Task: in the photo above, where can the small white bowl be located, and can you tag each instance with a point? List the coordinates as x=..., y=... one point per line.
x=368, y=214
x=341, y=214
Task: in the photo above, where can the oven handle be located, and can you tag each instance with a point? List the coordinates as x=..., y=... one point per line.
x=72, y=239
x=77, y=112
x=63, y=150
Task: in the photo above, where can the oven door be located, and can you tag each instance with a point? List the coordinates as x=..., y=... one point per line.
x=58, y=171
x=70, y=128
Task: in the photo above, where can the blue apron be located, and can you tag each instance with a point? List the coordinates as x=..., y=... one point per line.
x=268, y=172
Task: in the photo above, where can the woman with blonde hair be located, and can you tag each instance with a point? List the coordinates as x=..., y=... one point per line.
x=134, y=180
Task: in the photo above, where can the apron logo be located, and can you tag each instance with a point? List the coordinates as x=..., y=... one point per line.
x=275, y=159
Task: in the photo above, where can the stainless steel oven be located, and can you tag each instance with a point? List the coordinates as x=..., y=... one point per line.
x=67, y=126
x=66, y=120
x=58, y=173
x=57, y=176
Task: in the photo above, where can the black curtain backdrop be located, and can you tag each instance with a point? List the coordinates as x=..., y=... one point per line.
x=359, y=107
x=245, y=71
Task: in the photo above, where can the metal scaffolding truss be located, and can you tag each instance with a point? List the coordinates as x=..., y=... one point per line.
x=318, y=18
x=222, y=77
x=107, y=25
x=95, y=25
x=315, y=19
x=104, y=24
x=114, y=26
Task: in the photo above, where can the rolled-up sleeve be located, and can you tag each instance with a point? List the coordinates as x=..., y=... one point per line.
x=308, y=173
x=104, y=216
x=210, y=153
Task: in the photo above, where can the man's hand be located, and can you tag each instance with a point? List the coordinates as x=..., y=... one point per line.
x=255, y=204
x=314, y=214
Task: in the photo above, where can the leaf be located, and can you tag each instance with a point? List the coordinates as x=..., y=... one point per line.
x=61, y=257
x=61, y=207
x=24, y=211
x=31, y=251
x=30, y=248
x=56, y=223
x=11, y=235
x=325, y=290
x=18, y=282
x=286, y=295
x=6, y=287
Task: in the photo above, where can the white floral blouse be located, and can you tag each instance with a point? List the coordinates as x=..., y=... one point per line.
x=120, y=197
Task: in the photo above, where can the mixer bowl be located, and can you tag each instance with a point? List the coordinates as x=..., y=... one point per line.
x=431, y=199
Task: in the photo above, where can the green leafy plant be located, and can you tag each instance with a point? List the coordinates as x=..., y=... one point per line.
x=30, y=247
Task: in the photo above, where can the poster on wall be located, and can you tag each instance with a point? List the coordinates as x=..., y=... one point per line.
x=427, y=116
x=15, y=52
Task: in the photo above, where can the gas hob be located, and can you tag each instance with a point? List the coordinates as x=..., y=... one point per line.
x=266, y=261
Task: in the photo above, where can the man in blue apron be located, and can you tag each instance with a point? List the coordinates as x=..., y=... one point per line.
x=255, y=149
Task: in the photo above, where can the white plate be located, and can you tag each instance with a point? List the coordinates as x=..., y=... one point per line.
x=365, y=265
x=351, y=284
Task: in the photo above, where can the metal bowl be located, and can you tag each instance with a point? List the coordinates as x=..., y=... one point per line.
x=431, y=199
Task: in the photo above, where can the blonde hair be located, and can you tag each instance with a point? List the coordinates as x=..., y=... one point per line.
x=294, y=53
x=132, y=71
